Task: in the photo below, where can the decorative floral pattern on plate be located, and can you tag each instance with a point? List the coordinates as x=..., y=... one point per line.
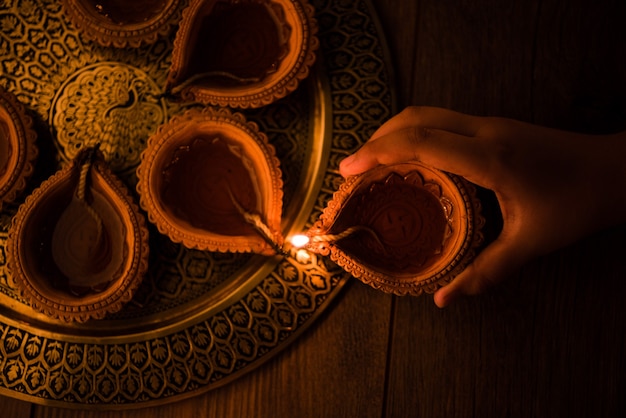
x=199, y=319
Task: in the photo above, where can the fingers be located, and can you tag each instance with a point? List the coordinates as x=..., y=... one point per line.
x=433, y=118
x=452, y=142
x=490, y=267
x=438, y=137
x=444, y=150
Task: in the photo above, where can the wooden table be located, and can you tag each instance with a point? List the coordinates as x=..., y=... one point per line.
x=551, y=341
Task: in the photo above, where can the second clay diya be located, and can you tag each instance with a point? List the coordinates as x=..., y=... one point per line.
x=122, y=23
x=403, y=228
x=18, y=150
x=242, y=53
x=78, y=246
x=209, y=179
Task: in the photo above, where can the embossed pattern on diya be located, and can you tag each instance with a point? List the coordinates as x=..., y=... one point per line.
x=18, y=150
x=242, y=53
x=411, y=228
x=78, y=247
x=211, y=180
x=122, y=23
x=199, y=319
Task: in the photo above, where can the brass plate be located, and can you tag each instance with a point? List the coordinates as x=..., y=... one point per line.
x=200, y=319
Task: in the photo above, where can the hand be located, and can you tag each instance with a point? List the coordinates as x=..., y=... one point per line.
x=553, y=187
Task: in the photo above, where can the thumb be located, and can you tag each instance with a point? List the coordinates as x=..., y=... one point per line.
x=490, y=267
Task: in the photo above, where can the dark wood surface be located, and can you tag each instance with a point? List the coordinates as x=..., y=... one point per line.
x=550, y=341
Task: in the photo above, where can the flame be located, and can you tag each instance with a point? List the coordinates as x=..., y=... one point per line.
x=299, y=240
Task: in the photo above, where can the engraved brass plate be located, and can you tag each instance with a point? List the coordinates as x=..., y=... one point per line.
x=199, y=319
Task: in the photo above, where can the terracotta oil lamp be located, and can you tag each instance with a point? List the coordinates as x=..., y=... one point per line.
x=210, y=180
x=242, y=53
x=404, y=228
x=18, y=150
x=78, y=246
x=120, y=23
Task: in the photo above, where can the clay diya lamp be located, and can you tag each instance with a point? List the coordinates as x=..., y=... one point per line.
x=78, y=246
x=18, y=150
x=210, y=180
x=242, y=53
x=122, y=23
x=403, y=228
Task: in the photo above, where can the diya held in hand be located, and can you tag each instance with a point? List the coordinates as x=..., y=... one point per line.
x=404, y=228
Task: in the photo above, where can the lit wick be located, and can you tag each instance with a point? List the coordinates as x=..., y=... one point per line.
x=300, y=240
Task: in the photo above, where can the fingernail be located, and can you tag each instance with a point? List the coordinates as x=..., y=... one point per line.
x=344, y=165
x=346, y=162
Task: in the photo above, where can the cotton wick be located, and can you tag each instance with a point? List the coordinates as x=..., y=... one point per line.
x=196, y=77
x=254, y=219
x=301, y=240
x=82, y=189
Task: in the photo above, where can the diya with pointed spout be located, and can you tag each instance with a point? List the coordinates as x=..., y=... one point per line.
x=403, y=228
x=78, y=246
x=242, y=53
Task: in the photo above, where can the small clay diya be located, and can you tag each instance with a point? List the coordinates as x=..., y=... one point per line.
x=210, y=180
x=78, y=246
x=404, y=228
x=18, y=150
x=121, y=23
x=242, y=53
